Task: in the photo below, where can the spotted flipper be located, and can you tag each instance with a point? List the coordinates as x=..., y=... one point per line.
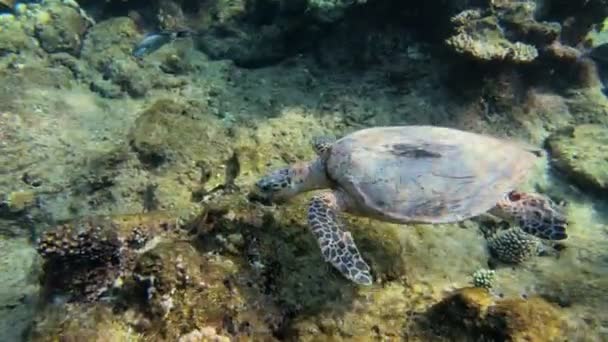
x=535, y=214
x=337, y=245
x=322, y=144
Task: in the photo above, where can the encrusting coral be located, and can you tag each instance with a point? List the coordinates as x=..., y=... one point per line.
x=505, y=32
x=84, y=258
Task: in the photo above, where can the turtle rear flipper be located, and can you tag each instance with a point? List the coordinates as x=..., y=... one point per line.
x=337, y=245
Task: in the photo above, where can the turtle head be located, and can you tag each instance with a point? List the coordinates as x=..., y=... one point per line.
x=280, y=185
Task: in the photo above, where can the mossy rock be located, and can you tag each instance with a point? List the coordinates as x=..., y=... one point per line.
x=61, y=29
x=582, y=153
x=13, y=38
x=375, y=315
x=112, y=38
x=81, y=323
x=189, y=290
x=329, y=11
x=294, y=273
x=169, y=131
x=473, y=313
x=107, y=47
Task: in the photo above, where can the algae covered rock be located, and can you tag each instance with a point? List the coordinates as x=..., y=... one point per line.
x=582, y=153
x=84, y=258
x=60, y=29
x=13, y=37
x=331, y=10
x=171, y=131
x=18, y=287
x=81, y=323
x=472, y=313
x=107, y=48
x=186, y=290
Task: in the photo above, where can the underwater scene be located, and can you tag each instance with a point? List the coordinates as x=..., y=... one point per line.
x=303, y=170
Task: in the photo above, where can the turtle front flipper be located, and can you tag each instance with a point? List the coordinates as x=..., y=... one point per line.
x=322, y=144
x=337, y=245
x=535, y=214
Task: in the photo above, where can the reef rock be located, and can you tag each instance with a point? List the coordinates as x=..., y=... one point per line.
x=86, y=257
x=74, y=322
x=185, y=289
x=171, y=131
x=13, y=37
x=60, y=28
x=582, y=153
x=472, y=313
x=330, y=10
x=19, y=287
x=507, y=32
x=107, y=48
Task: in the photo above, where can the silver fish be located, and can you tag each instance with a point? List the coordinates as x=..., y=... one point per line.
x=151, y=43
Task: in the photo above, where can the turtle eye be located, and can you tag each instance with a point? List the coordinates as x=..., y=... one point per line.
x=514, y=196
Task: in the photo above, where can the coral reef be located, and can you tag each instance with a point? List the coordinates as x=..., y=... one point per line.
x=185, y=290
x=581, y=152
x=480, y=35
x=86, y=258
x=88, y=132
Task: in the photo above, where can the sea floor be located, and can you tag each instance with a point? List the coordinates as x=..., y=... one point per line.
x=175, y=154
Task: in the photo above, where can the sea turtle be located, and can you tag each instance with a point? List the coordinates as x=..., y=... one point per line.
x=411, y=174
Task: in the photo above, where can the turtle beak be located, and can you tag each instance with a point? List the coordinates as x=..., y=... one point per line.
x=256, y=197
x=257, y=194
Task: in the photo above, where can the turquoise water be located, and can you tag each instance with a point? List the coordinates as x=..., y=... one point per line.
x=133, y=134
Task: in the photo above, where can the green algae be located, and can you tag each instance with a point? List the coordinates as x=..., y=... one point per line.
x=582, y=153
x=60, y=29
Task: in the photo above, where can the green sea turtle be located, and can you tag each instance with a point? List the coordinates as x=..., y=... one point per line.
x=411, y=174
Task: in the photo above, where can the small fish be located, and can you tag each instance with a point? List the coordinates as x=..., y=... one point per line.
x=155, y=41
